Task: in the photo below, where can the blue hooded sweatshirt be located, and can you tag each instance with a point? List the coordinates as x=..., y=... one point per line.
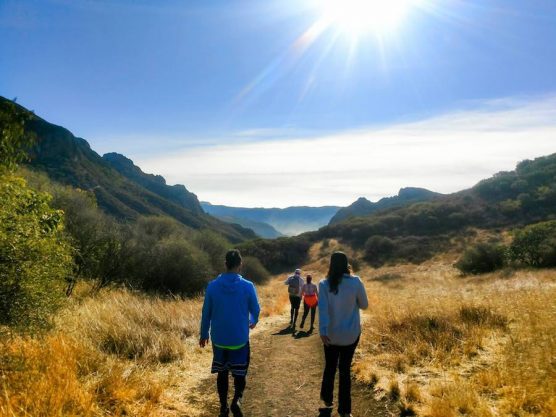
x=230, y=306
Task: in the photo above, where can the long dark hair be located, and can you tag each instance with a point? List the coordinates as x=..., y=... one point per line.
x=338, y=267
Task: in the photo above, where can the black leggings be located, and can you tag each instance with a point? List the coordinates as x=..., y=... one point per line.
x=222, y=383
x=306, y=309
x=294, y=310
x=338, y=357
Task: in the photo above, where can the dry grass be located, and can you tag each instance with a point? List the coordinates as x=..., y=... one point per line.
x=449, y=346
x=104, y=358
x=438, y=344
x=115, y=353
x=133, y=326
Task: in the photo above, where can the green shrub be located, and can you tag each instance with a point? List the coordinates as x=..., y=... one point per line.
x=214, y=245
x=96, y=237
x=535, y=245
x=278, y=255
x=378, y=249
x=176, y=266
x=35, y=258
x=254, y=271
x=14, y=143
x=159, y=255
x=482, y=258
x=415, y=249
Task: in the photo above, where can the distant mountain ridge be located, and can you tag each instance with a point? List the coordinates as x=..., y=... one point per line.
x=288, y=221
x=121, y=188
x=363, y=207
x=263, y=230
x=507, y=199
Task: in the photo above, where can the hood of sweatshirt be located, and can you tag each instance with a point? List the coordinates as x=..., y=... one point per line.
x=229, y=282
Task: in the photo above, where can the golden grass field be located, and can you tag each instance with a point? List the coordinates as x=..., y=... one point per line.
x=435, y=343
x=443, y=345
x=113, y=353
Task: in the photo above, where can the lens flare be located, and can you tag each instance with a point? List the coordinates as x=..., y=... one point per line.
x=356, y=17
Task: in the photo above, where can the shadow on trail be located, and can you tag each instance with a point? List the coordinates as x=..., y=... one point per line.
x=287, y=330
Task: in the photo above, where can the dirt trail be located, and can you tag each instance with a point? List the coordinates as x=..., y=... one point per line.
x=285, y=375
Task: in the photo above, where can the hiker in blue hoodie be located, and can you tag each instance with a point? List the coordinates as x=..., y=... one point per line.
x=230, y=309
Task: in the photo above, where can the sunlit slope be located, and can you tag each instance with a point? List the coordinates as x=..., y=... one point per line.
x=121, y=188
x=364, y=207
x=416, y=232
x=525, y=195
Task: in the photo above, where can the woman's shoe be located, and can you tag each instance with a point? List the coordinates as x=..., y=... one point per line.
x=235, y=408
x=325, y=412
x=224, y=412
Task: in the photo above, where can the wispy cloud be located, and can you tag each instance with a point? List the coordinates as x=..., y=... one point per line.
x=445, y=153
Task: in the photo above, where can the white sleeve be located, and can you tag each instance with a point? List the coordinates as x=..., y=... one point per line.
x=362, y=300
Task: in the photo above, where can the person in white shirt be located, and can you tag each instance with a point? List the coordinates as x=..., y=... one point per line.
x=342, y=295
x=295, y=285
x=310, y=294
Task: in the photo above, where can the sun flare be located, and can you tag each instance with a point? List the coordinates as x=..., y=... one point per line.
x=356, y=17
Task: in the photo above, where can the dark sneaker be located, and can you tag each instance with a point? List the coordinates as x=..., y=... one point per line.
x=235, y=408
x=325, y=412
x=224, y=412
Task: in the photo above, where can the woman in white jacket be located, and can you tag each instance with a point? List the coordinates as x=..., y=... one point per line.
x=341, y=296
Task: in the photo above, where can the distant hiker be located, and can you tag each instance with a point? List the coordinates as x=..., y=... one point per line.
x=341, y=297
x=310, y=294
x=295, y=285
x=230, y=309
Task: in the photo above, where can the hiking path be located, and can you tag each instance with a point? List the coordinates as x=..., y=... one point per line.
x=285, y=375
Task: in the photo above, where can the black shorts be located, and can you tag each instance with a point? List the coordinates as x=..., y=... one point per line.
x=236, y=361
x=295, y=301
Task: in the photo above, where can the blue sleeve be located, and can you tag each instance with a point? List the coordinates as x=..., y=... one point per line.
x=324, y=319
x=207, y=314
x=254, y=307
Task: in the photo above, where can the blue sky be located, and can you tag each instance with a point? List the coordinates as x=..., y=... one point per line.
x=160, y=80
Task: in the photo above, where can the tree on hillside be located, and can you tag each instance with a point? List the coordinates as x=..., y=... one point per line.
x=35, y=258
x=14, y=143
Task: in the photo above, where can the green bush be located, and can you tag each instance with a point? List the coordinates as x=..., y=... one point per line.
x=254, y=271
x=415, y=249
x=14, y=143
x=214, y=245
x=535, y=245
x=177, y=267
x=378, y=249
x=35, y=258
x=482, y=258
x=96, y=237
x=278, y=255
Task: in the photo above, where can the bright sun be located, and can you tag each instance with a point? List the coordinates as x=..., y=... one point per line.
x=356, y=17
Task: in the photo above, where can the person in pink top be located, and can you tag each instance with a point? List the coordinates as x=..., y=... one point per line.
x=310, y=294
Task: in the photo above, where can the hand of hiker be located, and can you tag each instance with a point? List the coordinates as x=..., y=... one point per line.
x=325, y=340
x=252, y=325
x=203, y=342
